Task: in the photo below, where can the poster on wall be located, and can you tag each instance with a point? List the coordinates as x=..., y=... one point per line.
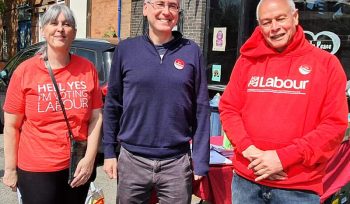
x=216, y=73
x=219, y=39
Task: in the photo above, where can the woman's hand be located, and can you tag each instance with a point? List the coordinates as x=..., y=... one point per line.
x=83, y=172
x=13, y=124
x=86, y=164
x=10, y=179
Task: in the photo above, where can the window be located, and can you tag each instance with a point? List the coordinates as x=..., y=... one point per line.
x=91, y=55
x=327, y=25
x=88, y=54
x=107, y=62
x=221, y=52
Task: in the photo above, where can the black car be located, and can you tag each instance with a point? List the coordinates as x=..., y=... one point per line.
x=99, y=52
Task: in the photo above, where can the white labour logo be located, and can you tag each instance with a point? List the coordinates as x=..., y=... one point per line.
x=275, y=82
x=304, y=70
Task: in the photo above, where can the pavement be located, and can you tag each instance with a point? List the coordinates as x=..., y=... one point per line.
x=108, y=186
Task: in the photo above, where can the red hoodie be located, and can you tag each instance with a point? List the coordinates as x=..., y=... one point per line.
x=293, y=102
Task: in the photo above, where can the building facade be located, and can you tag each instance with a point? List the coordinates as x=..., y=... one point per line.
x=19, y=25
x=19, y=22
x=219, y=27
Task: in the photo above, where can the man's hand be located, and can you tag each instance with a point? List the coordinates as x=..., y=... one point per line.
x=197, y=178
x=110, y=167
x=250, y=151
x=266, y=164
x=278, y=176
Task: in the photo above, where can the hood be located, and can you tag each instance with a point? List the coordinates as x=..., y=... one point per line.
x=256, y=45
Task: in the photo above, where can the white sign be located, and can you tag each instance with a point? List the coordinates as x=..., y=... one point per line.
x=219, y=39
x=325, y=40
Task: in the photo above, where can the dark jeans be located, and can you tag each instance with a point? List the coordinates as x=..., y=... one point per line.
x=139, y=176
x=49, y=188
x=245, y=191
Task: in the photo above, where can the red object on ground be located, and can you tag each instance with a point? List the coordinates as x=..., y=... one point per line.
x=216, y=188
x=337, y=171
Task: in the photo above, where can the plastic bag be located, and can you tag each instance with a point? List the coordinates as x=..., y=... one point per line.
x=95, y=195
x=215, y=125
x=19, y=197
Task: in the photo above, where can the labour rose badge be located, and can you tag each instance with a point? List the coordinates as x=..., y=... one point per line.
x=179, y=64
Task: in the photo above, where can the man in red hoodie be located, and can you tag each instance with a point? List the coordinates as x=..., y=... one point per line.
x=284, y=110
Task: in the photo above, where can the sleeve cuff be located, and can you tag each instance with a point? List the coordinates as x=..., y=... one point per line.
x=109, y=151
x=244, y=144
x=201, y=169
x=289, y=156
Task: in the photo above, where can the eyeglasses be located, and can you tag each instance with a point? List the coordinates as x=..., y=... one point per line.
x=160, y=5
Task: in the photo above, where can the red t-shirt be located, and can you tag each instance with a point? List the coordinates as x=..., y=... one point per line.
x=44, y=143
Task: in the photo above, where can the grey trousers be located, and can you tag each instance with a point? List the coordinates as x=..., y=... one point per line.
x=139, y=176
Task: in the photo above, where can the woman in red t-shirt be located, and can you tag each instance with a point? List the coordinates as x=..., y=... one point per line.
x=36, y=143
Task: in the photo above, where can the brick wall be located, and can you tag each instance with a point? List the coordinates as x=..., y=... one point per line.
x=10, y=21
x=136, y=17
x=194, y=20
x=125, y=19
x=104, y=17
x=193, y=25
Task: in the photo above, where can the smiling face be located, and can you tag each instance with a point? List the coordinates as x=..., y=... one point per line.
x=278, y=23
x=58, y=33
x=162, y=15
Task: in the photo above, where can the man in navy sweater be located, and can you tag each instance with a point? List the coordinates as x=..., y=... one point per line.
x=157, y=102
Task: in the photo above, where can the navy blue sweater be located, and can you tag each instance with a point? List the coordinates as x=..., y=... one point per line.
x=155, y=106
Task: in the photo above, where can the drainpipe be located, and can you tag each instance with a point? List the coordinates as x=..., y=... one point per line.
x=119, y=17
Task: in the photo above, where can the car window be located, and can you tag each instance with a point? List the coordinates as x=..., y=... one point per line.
x=107, y=62
x=92, y=56
x=88, y=54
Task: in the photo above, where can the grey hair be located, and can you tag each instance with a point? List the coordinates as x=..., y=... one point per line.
x=51, y=15
x=290, y=3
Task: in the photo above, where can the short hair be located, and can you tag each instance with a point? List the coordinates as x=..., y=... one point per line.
x=52, y=14
x=146, y=1
x=290, y=3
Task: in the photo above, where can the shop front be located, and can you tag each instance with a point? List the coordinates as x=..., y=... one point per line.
x=326, y=24
x=230, y=23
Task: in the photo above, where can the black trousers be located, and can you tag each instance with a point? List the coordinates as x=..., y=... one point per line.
x=50, y=188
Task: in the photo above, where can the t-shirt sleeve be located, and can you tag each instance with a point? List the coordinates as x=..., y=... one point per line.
x=15, y=98
x=96, y=93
